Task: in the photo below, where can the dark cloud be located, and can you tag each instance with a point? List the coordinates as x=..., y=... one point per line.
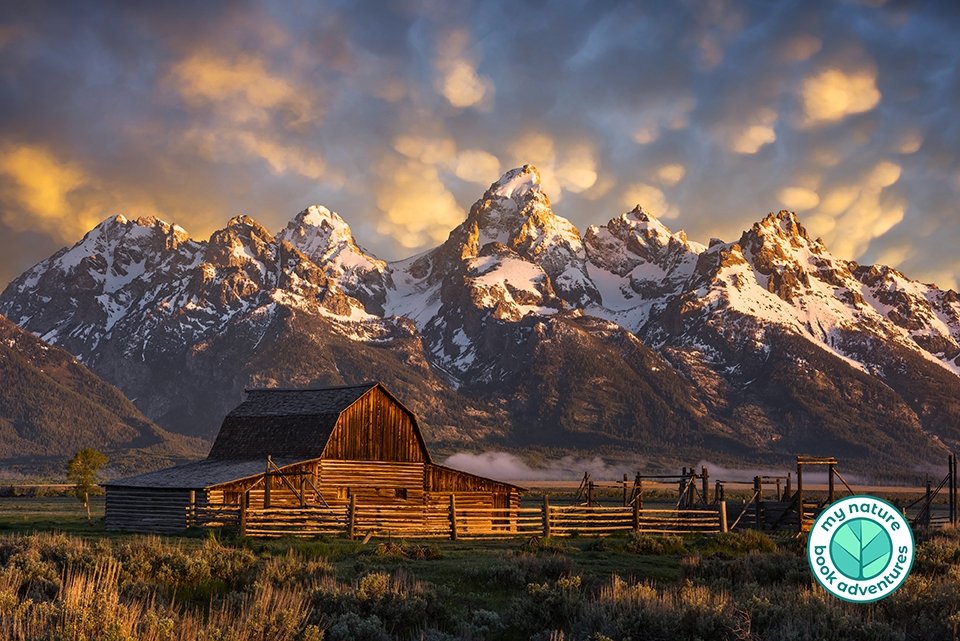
x=196, y=112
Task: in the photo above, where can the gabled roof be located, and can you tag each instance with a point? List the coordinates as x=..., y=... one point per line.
x=199, y=475
x=292, y=423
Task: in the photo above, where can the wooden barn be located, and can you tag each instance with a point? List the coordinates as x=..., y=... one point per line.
x=283, y=450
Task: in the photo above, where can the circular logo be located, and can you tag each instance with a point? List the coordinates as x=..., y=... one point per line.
x=860, y=549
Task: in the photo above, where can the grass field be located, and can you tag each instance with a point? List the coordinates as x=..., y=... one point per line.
x=62, y=578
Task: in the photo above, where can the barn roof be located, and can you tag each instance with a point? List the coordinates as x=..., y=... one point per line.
x=284, y=422
x=199, y=475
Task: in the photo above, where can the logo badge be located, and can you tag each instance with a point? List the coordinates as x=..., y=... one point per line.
x=860, y=549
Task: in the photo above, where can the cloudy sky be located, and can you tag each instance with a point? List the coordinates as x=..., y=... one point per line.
x=398, y=115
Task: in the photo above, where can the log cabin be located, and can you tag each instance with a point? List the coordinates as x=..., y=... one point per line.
x=303, y=448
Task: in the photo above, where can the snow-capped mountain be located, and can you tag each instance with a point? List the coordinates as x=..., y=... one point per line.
x=519, y=329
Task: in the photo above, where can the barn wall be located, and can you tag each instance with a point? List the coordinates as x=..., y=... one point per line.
x=138, y=509
x=381, y=482
x=375, y=428
x=445, y=479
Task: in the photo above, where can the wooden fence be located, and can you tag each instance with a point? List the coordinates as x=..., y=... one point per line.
x=454, y=522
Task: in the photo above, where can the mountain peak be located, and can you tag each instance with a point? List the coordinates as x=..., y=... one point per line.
x=517, y=183
x=784, y=224
x=320, y=216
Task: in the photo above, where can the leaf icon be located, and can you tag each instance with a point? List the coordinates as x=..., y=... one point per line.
x=861, y=549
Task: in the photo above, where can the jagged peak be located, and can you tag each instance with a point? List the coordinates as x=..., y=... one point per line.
x=320, y=216
x=241, y=226
x=517, y=183
x=784, y=224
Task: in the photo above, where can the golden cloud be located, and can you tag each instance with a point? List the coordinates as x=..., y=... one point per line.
x=800, y=48
x=833, y=94
x=756, y=133
x=650, y=198
x=799, y=198
x=910, y=143
x=231, y=146
x=43, y=192
x=477, y=166
x=577, y=171
x=574, y=170
x=417, y=208
x=242, y=89
x=671, y=174
x=459, y=81
x=432, y=151
x=850, y=217
x=645, y=135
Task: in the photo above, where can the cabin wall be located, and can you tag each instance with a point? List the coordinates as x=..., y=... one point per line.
x=139, y=509
x=375, y=428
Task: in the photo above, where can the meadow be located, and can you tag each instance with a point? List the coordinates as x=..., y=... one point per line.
x=63, y=579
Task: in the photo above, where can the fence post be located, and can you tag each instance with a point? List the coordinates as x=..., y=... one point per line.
x=723, y=516
x=589, y=493
x=682, y=488
x=546, y=516
x=453, y=517
x=303, y=500
x=352, y=516
x=952, y=471
x=705, y=483
x=636, y=516
x=266, y=484
x=624, y=489
x=799, y=495
x=639, y=500
x=926, y=516
x=830, y=486
x=244, y=506
x=757, y=501
x=192, y=509
x=787, y=493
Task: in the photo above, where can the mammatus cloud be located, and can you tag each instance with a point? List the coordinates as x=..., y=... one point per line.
x=242, y=89
x=568, y=169
x=832, y=95
x=458, y=80
x=671, y=174
x=755, y=133
x=237, y=145
x=476, y=166
x=851, y=216
x=650, y=198
x=416, y=207
x=397, y=114
x=801, y=47
x=799, y=198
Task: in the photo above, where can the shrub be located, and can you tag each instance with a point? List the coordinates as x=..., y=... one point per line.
x=740, y=543
x=640, y=543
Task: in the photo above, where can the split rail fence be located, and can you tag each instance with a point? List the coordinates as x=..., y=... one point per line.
x=454, y=522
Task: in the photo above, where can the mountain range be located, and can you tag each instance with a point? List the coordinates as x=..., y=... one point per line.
x=521, y=331
x=51, y=406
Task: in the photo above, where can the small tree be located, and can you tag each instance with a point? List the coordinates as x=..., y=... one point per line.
x=82, y=473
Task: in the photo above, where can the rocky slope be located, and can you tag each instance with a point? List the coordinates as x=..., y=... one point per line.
x=51, y=406
x=518, y=330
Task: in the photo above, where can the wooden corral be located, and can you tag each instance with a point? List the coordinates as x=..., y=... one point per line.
x=318, y=449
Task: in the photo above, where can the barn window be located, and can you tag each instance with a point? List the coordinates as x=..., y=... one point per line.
x=401, y=493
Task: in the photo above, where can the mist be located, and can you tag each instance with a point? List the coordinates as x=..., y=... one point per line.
x=506, y=466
